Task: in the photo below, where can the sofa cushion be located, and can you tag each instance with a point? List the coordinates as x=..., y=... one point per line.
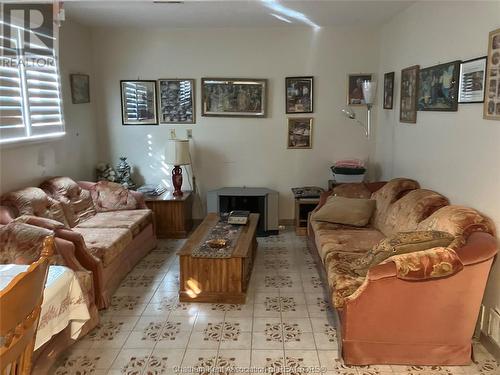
x=345, y=240
x=105, y=243
x=405, y=214
x=349, y=211
x=110, y=196
x=34, y=201
x=76, y=202
x=352, y=190
x=400, y=243
x=428, y=264
x=387, y=195
x=457, y=220
x=135, y=220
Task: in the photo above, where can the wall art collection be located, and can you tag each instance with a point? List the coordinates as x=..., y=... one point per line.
x=221, y=97
x=442, y=87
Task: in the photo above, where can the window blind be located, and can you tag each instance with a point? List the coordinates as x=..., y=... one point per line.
x=30, y=93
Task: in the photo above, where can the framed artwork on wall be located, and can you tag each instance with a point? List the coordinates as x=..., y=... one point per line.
x=233, y=97
x=299, y=132
x=408, y=97
x=299, y=94
x=176, y=101
x=438, y=87
x=80, y=91
x=491, y=109
x=138, y=102
x=472, y=81
x=354, y=89
x=388, y=90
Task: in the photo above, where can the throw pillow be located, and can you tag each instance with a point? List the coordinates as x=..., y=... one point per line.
x=401, y=243
x=110, y=196
x=349, y=211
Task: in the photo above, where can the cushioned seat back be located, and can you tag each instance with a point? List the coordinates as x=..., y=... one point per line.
x=388, y=194
x=458, y=221
x=33, y=201
x=407, y=212
x=76, y=202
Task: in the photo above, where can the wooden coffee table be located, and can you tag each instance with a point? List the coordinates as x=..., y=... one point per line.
x=218, y=280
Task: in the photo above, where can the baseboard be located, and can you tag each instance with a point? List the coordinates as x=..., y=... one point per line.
x=490, y=346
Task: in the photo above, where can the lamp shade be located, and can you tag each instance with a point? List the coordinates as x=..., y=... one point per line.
x=369, y=90
x=177, y=152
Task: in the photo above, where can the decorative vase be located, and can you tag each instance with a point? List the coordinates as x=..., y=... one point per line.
x=124, y=173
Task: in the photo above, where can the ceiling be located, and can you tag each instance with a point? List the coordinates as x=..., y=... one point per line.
x=251, y=13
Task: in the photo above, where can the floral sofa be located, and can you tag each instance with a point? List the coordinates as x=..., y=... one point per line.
x=22, y=243
x=418, y=308
x=110, y=227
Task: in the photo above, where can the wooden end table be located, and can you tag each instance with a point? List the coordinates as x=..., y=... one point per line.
x=303, y=206
x=220, y=280
x=173, y=217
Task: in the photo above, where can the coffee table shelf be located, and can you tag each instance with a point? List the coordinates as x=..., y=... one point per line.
x=219, y=280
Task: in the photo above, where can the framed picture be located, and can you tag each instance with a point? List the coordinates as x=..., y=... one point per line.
x=438, y=87
x=138, y=102
x=176, y=101
x=300, y=132
x=233, y=97
x=472, y=80
x=80, y=92
x=408, y=97
x=388, y=90
x=491, y=109
x=354, y=88
x=299, y=94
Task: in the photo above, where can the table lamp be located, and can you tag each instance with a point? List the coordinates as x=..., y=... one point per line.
x=177, y=154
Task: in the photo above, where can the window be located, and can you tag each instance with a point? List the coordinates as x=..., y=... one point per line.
x=30, y=91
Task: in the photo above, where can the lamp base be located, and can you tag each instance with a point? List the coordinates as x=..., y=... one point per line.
x=177, y=181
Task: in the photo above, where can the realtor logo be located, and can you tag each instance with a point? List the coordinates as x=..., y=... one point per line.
x=27, y=29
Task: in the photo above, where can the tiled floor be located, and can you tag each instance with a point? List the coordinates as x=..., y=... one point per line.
x=286, y=321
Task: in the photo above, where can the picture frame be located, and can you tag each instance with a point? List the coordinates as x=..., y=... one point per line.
x=234, y=97
x=408, y=95
x=438, y=87
x=176, y=101
x=138, y=99
x=299, y=135
x=80, y=90
x=472, y=80
x=299, y=94
x=491, y=106
x=389, y=90
x=354, y=89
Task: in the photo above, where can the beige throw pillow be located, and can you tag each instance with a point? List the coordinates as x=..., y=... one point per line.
x=349, y=211
x=401, y=243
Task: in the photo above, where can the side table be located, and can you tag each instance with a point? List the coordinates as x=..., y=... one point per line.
x=302, y=208
x=173, y=217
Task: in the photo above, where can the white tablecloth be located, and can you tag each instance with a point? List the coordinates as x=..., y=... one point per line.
x=63, y=301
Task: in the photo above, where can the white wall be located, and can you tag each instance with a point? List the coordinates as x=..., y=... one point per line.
x=235, y=151
x=457, y=153
x=75, y=154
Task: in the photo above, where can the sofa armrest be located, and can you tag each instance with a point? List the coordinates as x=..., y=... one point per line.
x=86, y=259
x=139, y=197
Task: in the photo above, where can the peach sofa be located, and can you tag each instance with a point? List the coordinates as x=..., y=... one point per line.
x=110, y=227
x=419, y=308
x=21, y=243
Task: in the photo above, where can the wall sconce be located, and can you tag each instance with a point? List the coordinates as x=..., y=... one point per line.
x=369, y=91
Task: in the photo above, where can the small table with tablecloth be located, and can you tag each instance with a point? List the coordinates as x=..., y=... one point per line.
x=63, y=301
